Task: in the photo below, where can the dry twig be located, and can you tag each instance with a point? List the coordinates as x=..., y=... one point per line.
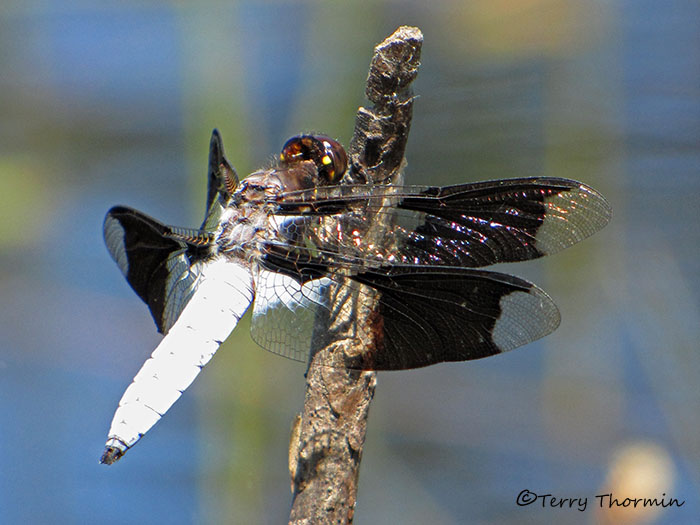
x=327, y=440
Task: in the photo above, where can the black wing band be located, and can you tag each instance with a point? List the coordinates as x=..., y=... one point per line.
x=155, y=259
x=435, y=315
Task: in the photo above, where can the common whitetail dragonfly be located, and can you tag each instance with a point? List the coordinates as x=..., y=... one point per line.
x=284, y=236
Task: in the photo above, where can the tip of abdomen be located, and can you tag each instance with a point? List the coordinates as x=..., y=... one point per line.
x=114, y=450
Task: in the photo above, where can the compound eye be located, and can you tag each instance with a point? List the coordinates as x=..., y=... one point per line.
x=327, y=154
x=335, y=160
x=294, y=150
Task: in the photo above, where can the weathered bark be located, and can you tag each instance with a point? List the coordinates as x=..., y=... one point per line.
x=328, y=436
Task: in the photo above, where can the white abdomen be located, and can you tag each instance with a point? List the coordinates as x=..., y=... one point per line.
x=224, y=292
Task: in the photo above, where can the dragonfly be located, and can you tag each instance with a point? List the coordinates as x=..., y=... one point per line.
x=285, y=236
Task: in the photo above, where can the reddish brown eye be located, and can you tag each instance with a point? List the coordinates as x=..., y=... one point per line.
x=328, y=155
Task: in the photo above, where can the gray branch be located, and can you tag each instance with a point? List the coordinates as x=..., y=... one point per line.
x=328, y=436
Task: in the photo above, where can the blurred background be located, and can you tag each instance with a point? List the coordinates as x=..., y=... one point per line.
x=114, y=102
